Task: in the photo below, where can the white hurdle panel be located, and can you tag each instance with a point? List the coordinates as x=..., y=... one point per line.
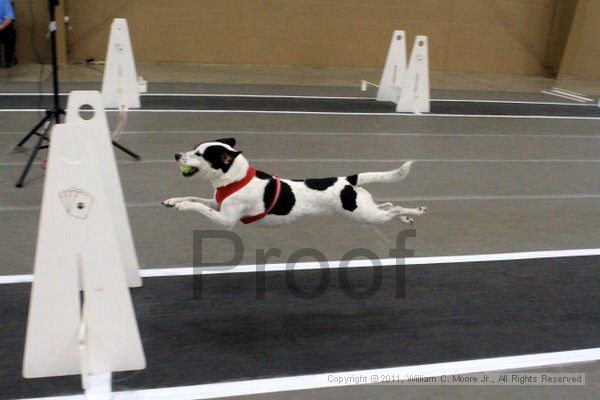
x=415, y=92
x=81, y=318
x=121, y=86
x=110, y=175
x=406, y=85
x=394, y=71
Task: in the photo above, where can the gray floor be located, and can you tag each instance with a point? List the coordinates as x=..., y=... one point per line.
x=491, y=185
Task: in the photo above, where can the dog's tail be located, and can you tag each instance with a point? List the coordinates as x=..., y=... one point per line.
x=395, y=175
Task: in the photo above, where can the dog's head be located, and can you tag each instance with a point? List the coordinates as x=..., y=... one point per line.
x=217, y=161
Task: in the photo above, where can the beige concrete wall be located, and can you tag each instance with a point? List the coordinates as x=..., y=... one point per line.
x=496, y=36
x=32, y=27
x=561, y=27
x=581, y=58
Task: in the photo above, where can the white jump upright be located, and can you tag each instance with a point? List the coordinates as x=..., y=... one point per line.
x=110, y=175
x=394, y=71
x=121, y=85
x=407, y=86
x=414, y=96
x=81, y=318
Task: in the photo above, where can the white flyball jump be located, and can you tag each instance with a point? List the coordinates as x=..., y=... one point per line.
x=120, y=84
x=110, y=175
x=81, y=317
x=394, y=71
x=407, y=86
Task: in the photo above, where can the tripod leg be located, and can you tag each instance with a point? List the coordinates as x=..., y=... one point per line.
x=33, y=131
x=126, y=150
x=34, y=152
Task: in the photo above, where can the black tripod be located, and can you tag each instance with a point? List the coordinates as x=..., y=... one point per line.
x=52, y=114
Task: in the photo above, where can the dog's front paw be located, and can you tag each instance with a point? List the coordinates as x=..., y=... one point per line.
x=171, y=202
x=186, y=206
x=422, y=210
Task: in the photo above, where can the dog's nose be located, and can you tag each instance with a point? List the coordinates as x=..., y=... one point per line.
x=177, y=156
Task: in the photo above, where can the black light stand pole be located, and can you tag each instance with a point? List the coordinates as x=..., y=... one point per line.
x=57, y=111
x=53, y=114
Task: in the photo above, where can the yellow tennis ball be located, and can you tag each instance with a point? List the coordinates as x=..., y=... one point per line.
x=185, y=169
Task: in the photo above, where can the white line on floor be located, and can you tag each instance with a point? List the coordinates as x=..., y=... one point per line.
x=263, y=96
x=556, y=117
x=268, y=96
x=541, y=103
x=9, y=110
x=369, y=263
x=374, y=114
x=431, y=160
x=511, y=136
x=285, y=96
x=368, y=114
x=10, y=279
x=279, y=267
x=400, y=134
x=339, y=379
x=352, y=160
x=581, y=101
x=577, y=196
x=573, y=95
x=582, y=95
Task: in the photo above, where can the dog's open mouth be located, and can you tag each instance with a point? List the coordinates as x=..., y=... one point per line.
x=189, y=171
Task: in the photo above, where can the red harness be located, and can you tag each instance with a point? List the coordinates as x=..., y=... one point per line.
x=224, y=192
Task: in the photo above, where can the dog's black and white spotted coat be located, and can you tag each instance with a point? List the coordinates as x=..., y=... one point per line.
x=222, y=165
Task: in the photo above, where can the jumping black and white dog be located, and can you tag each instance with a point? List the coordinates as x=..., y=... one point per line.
x=243, y=193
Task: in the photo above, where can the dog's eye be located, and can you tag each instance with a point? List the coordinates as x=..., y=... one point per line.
x=197, y=154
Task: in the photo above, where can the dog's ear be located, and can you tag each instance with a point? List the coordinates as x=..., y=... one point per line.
x=220, y=157
x=228, y=141
x=228, y=156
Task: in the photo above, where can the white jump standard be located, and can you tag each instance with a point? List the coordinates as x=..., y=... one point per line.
x=121, y=86
x=84, y=246
x=407, y=86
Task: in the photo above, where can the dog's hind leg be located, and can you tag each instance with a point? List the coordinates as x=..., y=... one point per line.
x=376, y=216
x=411, y=211
x=358, y=204
x=385, y=206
